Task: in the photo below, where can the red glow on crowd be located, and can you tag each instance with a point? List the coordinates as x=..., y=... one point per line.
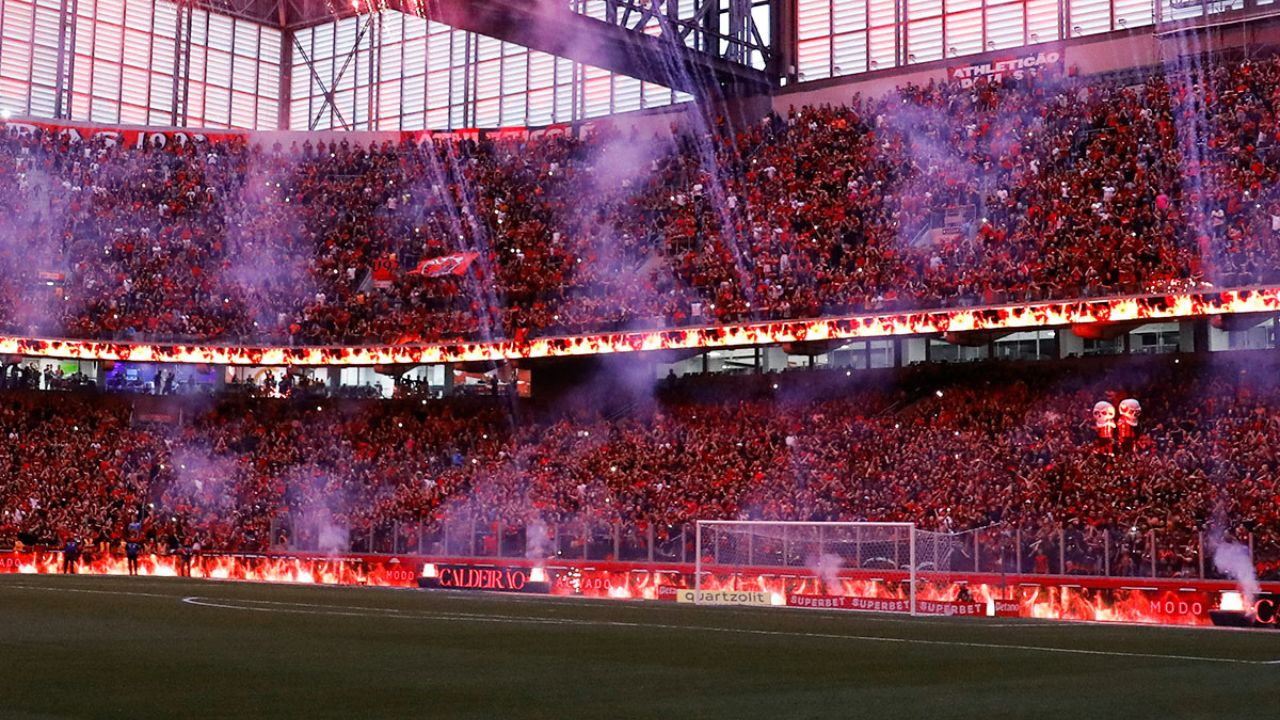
x=992, y=318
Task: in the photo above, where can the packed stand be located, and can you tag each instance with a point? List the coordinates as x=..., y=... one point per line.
x=1052, y=186
x=1006, y=450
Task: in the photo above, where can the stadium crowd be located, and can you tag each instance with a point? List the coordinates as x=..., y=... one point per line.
x=937, y=195
x=1005, y=450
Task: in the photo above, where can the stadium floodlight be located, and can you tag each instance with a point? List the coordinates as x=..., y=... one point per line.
x=851, y=565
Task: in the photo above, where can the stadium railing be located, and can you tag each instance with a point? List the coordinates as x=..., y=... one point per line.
x=995, y=549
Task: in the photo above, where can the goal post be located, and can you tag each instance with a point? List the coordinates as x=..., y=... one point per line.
x=874, y=565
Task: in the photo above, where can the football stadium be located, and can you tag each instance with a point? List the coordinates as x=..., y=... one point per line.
x=639, y=358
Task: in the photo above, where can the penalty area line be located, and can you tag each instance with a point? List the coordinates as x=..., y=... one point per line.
x=85, y=591
x=364, y=612
x=311, y=609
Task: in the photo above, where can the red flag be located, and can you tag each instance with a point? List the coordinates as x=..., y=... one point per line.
x=455, y=264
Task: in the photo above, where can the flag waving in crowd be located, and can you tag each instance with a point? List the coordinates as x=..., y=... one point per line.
x=455, y=264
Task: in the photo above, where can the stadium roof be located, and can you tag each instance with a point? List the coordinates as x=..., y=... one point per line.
x=633, y=40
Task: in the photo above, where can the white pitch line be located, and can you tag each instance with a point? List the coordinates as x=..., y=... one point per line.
x=378, y=613
x=82, y=590
x=309, y=609
x=303, y=605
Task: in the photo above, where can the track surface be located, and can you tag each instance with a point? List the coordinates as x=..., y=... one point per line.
x=94, y=647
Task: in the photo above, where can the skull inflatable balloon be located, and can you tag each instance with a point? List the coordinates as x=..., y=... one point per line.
x=1104, y=413
x=1130, y=410
x=1104, y=418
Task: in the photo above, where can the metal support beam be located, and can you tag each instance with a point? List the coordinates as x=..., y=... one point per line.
x=374, y=78
x=664, y=58
x=684, y=52
x=263, y=12
x=329, y=93
x=695, y=47
x=469, y=70
x=700, y=46
x=66, y=58
x=181, y=65
x=785, y=39
x=283, y=110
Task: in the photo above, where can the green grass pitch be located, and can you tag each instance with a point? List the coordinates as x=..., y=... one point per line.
x=142, y=648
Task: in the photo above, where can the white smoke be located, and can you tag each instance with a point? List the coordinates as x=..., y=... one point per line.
x=1235, y=560
x=537, y=543
x=203, y=482
x=270, y=249
x=331, y=538
x=320, y=506
x=827, y=567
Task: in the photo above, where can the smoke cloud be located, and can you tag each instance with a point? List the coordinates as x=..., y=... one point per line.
x=537, y=543
x=1235, y=560
x=827, y=567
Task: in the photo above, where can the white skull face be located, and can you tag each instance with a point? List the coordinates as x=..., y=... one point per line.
x=1104, y=414
x=1129, y=412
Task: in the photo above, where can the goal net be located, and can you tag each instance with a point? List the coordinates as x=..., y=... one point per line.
x=883, y=567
